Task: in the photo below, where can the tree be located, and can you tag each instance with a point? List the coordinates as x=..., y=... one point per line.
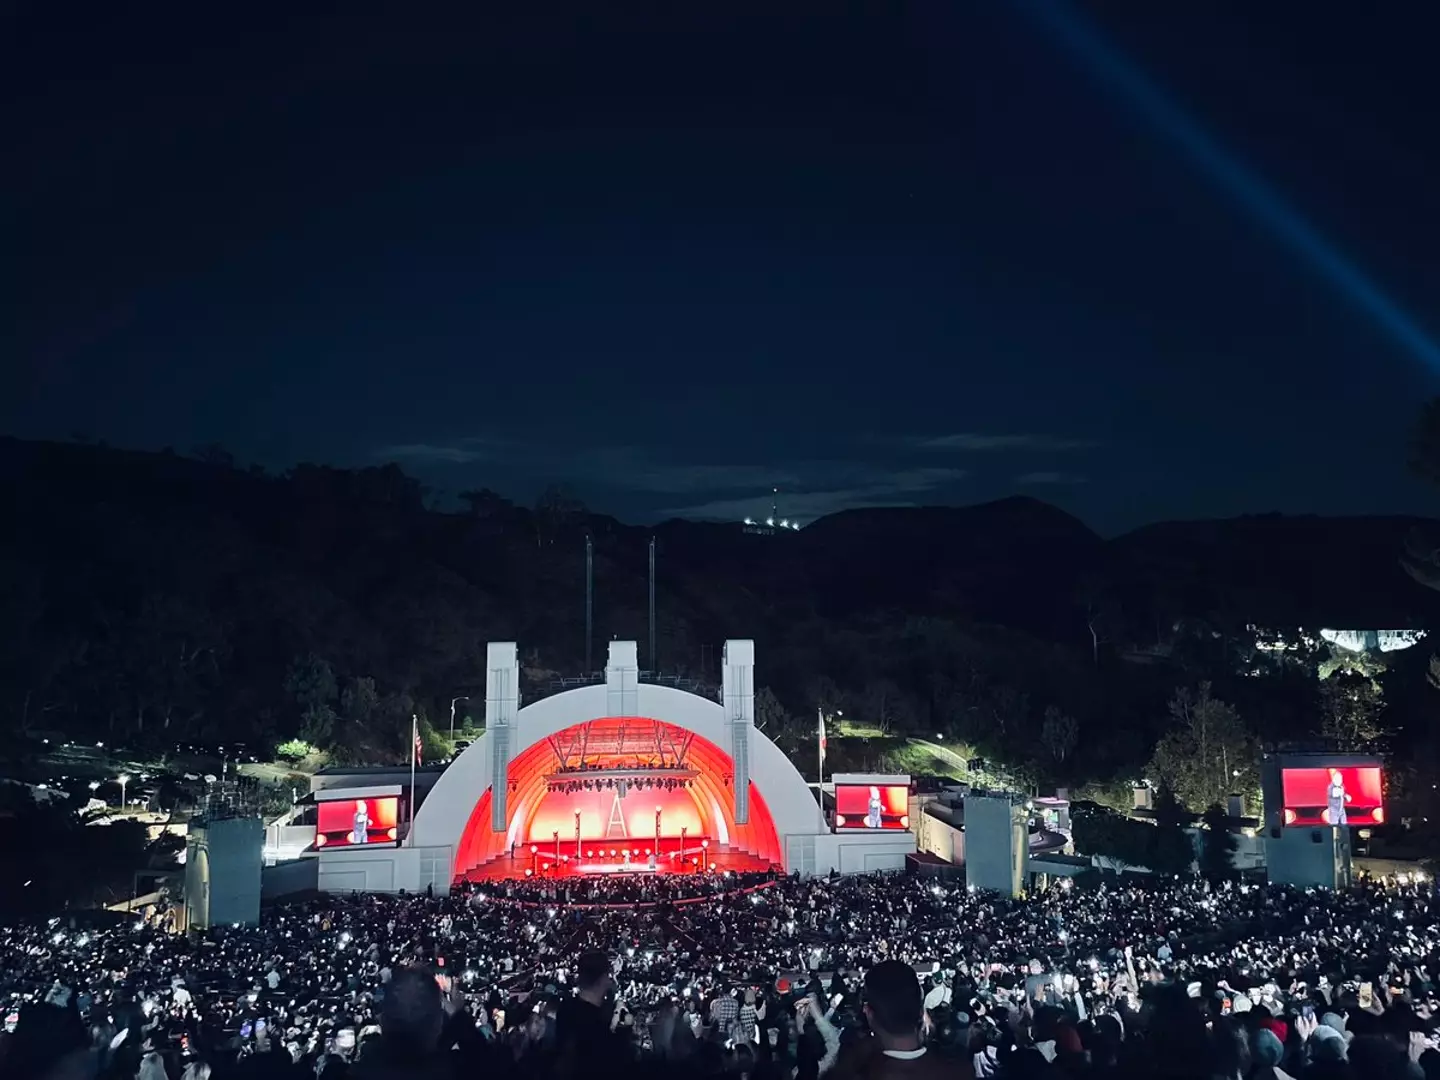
x=771, y=716
x=1351, y=707
x=1217, y=844
x=312, y=684
x=1208, y=752
x=557, y=511
x=1096, y=600
x=1059, y=733
x=484, y=503
x=1171, y=851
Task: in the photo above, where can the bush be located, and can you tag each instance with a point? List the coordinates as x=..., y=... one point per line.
x=294, y=751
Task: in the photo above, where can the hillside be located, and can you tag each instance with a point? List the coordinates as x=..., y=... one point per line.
x=157, y=596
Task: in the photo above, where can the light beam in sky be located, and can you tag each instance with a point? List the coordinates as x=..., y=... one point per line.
x=1247, y=187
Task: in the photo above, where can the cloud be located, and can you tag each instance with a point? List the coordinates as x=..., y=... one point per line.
x=977, y=442
x=724, y=491
x=634, y=469
x=462, y=452
x=1049, y=478
x=872, y=488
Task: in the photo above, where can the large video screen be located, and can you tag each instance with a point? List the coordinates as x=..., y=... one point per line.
x=1338, y=795
x=355, y=822
x=861, y=806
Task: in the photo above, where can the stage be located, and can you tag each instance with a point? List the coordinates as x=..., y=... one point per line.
x=540, y=865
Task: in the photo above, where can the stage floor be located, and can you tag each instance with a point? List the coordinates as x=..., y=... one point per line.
x=506, y=867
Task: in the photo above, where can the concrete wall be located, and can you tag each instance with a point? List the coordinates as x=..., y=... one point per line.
x=862, y=853
x=997, y=844
x=1307, y=858
x=222, y=873
x=938, y=837
x=290, y=877
x=384, y=869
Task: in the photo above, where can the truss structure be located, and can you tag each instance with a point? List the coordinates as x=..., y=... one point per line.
x=621, y=744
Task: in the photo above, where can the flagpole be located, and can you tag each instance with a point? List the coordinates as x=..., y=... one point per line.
x=820, y=753
x=414, y=740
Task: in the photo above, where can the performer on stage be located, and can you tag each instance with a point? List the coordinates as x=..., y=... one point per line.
x=873, y=818
x=361, y=831
x=1337, y=797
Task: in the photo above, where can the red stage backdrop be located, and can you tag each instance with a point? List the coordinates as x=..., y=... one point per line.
x=1307, y=795
x=557, y=814
x=852, y=806
x=336, y=821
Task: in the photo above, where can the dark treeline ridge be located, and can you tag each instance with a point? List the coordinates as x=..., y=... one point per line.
x=164, y=597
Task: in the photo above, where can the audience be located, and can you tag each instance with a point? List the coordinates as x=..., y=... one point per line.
x=877, y=977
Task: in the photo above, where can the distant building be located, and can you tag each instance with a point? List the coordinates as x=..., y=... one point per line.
x=1359, y=641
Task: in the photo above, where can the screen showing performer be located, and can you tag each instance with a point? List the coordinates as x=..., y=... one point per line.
x=354, y=822
x=869, y=806
x=1334, y=795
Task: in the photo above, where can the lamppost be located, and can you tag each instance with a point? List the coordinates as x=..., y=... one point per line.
x=577, y=836
x=683, y=830
x=124, y=779
x=453, y=700
x=657, y=830
x=555, y=835
x=704, y=856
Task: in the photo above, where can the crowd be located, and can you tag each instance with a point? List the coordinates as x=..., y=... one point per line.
x=876, y=977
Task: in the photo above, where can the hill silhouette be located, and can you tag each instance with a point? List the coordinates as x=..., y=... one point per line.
x=145, y=592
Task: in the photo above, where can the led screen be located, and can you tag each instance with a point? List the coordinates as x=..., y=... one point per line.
x=861, y=806
x=353, y=822
x=1339, y=795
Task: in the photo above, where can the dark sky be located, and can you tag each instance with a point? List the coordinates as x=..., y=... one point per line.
x=1148, y=260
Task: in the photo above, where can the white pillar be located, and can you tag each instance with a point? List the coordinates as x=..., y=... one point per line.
x=502, y=704
x=737, y=691
x=622, y=680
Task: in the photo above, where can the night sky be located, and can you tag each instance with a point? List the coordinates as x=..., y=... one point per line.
x=1143, y=260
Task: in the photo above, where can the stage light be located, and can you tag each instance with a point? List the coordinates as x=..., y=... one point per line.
x=529, y=872
x=534, y=849
x=320, y=840
x=839, y=821
x=904, y=821
x=704, y=843
x=392, y=834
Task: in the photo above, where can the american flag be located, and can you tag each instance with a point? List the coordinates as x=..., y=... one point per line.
x=415, y=733
x=821, y=713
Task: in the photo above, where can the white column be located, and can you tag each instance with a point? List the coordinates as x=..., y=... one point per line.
x=502, y=705
x=622, y=680
x=737, y=691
